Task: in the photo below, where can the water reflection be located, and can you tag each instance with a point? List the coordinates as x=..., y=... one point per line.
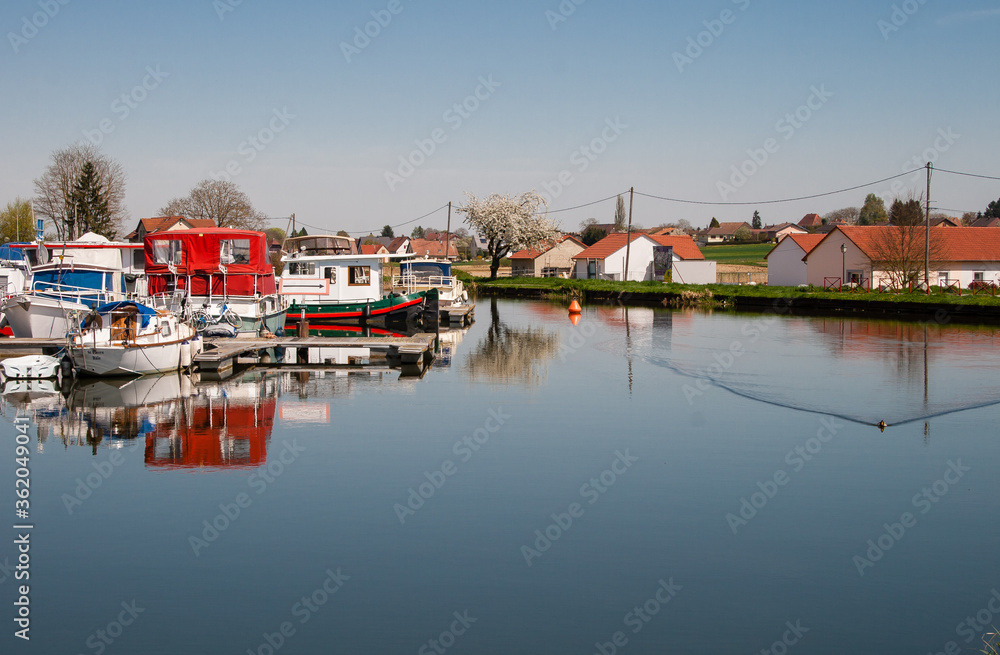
x=508, y=353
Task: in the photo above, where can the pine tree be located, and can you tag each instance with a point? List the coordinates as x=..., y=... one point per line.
x=714, y=223
x=88, y=205
x=756, y=223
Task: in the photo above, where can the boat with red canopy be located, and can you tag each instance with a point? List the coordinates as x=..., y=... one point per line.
x=215, y=270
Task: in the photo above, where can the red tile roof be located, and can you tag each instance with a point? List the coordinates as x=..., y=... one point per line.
x=684, y=247
x=804, y=241
x=811, y=220
x=433, y=248
x=958, y=244
x=531, y=253
x=371, y=248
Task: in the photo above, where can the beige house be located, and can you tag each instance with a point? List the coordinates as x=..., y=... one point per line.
x=553, y=261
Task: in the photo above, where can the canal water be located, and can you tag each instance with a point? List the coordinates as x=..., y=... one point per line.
x=644, y=481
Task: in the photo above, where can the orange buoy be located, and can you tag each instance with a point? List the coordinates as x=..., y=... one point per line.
x=574, y=319
x=574, y=308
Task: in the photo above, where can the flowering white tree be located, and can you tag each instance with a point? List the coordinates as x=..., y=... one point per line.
x=509, y=223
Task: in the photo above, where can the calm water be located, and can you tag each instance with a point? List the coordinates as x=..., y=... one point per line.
x=644, y=482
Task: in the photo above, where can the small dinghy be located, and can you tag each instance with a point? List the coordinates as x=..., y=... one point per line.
x=30, y=367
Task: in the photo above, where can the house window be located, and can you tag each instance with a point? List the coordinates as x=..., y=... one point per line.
x=358, y=275
x=302, y=268
x=234, y=251
x=979, y=276
x=855, y=277
x=943, y=278
x=167, y=252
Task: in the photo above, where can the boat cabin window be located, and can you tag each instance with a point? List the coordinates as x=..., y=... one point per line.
x=358, y=275
x=167, y=251
x=330, y=273
x=302, y=268
x=234, y=251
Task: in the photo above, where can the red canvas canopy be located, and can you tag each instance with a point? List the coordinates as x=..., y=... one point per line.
x=215, y=261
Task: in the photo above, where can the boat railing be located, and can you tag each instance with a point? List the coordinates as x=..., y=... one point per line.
x=409, y=280
x=73, y=293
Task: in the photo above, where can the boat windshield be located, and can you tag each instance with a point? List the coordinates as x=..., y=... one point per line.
x=426, y=270
x=320, y=245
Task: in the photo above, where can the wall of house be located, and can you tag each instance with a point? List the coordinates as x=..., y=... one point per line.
x=522, y=268
x=559, y=257
x=785, y=267
x=826, y=260
x=695, y=271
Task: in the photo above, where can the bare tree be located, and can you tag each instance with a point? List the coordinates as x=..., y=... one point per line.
x=219, y=200
x=54, y=189
x=898, y=251
x=848, y=215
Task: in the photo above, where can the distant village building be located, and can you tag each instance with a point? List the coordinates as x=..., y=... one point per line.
x=434, y=249
x=552, y=260
x=786, y=266
x=811, y=220
x=726, y=232
x=166, y=224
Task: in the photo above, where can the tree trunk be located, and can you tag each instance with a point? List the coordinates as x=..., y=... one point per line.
x=494, y=267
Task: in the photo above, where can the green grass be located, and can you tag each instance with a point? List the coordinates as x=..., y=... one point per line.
x=722, y=291
x=751, y=254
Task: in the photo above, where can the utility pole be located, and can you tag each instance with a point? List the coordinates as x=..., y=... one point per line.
x=447, y=234
x=293, y=223
x=628, y=234
x=927, y=235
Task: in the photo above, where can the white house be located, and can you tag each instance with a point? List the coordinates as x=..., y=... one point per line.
x=785, y=263
x=967, y=255
x=606, y=259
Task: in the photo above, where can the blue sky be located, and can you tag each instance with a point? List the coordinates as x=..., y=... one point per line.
x=891, y=85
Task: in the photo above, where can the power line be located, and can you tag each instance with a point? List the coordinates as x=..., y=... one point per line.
x=984, y=177
x=773, y=202
x=556, y=211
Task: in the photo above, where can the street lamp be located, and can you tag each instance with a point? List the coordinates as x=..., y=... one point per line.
x=843, y=256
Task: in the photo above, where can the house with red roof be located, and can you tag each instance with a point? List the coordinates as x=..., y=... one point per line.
x=166, y=224
x=966, y=254
x=434, y=249
x=605, y=260
x=726, y=232
x=786, y=266
x=551, y=260
x=811, y=220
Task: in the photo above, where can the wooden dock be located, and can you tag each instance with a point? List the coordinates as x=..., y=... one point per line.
x=221, y=354
x=458, y=315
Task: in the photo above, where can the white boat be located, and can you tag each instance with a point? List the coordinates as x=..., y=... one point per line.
x=71, y=276
x=30, y=367
x=126, y=338
x=423, y=274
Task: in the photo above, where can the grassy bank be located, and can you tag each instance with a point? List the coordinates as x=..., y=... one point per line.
x=730, y=295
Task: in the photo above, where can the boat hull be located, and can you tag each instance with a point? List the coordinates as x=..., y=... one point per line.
x=40, y=317
x=391, y=309
x=129, y=360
